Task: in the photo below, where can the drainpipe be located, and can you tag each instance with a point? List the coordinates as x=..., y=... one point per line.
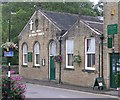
x=99, y=62
x=102, y=38
x=60, y=40
x=61, y=34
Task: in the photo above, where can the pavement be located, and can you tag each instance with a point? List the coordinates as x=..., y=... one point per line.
x=112, y=92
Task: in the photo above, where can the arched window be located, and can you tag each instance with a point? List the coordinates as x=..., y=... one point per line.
x=37, y=54
x=52, y=48
x=25, y=53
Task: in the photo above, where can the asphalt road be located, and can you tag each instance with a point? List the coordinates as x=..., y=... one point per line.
x=40, y=91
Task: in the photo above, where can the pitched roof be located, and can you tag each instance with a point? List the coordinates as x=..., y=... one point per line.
x=63, y=20
x=94, y=22
x=66, y=20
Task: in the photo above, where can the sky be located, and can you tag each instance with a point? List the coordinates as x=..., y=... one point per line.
x=95, y=1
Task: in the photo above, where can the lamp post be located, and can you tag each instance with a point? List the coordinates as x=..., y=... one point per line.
x=99, y=62
x=60, y=41
x=9, y=29
x=102, y=38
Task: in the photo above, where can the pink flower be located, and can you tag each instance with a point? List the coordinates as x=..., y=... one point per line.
x=18, y=92
x=12, y=72
x=5, y=85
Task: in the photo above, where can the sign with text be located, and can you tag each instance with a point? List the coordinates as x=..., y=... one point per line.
x=112, y=29
x=8, y=53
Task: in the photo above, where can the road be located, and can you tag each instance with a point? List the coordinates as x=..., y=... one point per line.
x=40, y=91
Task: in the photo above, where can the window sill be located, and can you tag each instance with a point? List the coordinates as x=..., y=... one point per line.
x=71, y=69
x=24, y=65
x=89, y=71
x=36, y=66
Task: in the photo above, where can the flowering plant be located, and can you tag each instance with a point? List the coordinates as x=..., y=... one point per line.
x=58, y=58
x=9, y=45
x=17, y=88
x=76, y=59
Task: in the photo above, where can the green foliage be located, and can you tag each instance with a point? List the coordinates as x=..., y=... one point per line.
x=22, y=13
x=77, y=59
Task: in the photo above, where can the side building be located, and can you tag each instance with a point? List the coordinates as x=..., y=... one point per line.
x=112, y=41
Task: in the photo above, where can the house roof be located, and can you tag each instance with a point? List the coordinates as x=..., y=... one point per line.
x=94, y=22
x=63, y=20
x=66, y=20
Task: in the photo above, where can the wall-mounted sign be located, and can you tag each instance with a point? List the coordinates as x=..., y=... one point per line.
x=112, y=29
x=29, y=56
x=8, y=53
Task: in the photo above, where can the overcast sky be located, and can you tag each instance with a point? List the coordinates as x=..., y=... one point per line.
x=95, y=1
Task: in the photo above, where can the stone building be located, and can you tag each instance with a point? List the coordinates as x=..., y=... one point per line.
x=39, y=44
x=112, y=39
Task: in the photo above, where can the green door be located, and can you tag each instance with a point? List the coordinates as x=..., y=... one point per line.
x=113, y=69
x=52, y=68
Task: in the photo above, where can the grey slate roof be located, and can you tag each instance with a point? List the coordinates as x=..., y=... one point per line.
x=65, y=20
x=93, y=22
x=96, y=26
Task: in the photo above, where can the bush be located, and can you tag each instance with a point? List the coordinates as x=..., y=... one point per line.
x=18, y=89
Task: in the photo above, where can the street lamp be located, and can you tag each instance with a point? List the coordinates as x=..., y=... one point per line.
x=60, y=45
x=9, y=30
x=60, y=41
x=101, y=38
x=99, y=61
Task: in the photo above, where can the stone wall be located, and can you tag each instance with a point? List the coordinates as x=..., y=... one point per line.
x=78, y=75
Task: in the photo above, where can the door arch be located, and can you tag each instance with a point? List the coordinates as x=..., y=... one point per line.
x=52, y=53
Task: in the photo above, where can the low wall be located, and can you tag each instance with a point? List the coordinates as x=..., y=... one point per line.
x=13, y=67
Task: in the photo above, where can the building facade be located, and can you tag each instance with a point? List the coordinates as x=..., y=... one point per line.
x=80, y=47
x=112, y=39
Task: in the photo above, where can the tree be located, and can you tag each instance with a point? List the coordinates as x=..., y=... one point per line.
x=22, y=13
x=98, y=8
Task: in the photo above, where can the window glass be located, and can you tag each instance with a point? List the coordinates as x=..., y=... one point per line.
x=53, y=49
x=37, y=54
x=90, y=53
x=69, y=53
x=25, y=52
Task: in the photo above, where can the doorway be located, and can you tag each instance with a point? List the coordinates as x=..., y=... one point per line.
x=114, y=58
x=52, y=67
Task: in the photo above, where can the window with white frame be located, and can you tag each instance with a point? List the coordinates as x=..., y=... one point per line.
x=69, y=53
x=52, y=48
x=90, y=54
x=25, y=53
x=36, y=54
